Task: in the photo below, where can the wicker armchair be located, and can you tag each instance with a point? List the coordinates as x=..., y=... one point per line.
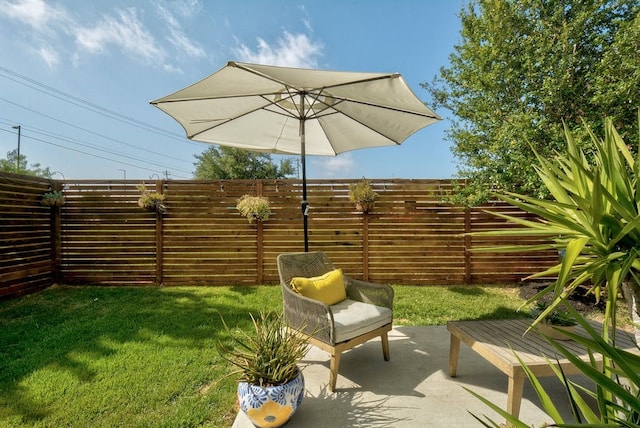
x=365, y=314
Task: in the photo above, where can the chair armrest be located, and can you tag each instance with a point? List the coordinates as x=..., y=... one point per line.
x=308, y=315
x=369, y=292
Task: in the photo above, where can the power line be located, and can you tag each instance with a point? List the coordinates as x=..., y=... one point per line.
x=99, y=156
x=79, y=102
x=85, y=144
x=88, y=130
x=94, y=108
x=72, y=141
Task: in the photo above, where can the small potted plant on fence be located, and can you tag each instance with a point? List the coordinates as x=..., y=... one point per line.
x=557, y=319
x=362, y=195
x=151, y=200
x=254, y=208
x=53, y=199
x=271, y=384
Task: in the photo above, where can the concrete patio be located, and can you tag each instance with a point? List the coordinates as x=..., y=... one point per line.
x=412, y=389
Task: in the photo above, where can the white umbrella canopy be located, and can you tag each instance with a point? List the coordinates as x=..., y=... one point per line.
x=297, y=111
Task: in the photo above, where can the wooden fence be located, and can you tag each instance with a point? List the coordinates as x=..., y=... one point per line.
x=101, y=235
x=26, y=236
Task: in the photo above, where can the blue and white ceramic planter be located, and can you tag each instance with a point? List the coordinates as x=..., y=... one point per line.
x=271, y=406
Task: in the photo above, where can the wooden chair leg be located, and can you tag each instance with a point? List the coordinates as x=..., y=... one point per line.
x=333, y=371
x=385, y=346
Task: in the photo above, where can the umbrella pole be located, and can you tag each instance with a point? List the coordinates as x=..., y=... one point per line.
x=305, y=204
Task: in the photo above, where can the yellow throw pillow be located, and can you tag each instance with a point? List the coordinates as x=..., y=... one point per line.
x=328, y=288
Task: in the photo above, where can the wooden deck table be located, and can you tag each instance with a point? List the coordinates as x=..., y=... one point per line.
x=496, y=341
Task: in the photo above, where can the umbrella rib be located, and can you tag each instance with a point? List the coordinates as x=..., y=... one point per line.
x=266, y=76
x=227, y=120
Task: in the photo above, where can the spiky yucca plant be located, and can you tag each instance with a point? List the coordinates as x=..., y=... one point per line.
x=594, y=217
x=267, y=356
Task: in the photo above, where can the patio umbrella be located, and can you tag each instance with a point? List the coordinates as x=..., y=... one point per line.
x=297, y=111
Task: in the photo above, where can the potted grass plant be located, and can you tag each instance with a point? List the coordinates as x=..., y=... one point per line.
x=254, y=208
x=362, y=195
x=271, y=385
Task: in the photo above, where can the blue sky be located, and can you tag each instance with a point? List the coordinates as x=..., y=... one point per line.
x=67, y=66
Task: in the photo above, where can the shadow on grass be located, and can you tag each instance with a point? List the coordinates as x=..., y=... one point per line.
x=244, y=290
x=503, y=312
x=468, y=291
x=61, y=327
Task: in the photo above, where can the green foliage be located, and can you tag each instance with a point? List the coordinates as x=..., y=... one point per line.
x=10, y=164
x=594, y=218
x=520, y=70
x=230, y=163
x=268, y=355
x=617, y=83
x=254, y=208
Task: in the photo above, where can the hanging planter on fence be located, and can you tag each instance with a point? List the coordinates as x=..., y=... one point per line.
x=254, y=208
x=151, y=200
x=53, y=199
x=362, y=195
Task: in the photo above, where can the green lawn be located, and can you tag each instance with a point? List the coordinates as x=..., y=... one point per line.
x=146, y=357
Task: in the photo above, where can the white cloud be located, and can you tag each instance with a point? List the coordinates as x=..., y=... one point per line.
x=183, y=44
x=124, y=31
x=45, y=21
x=187, y=8
x=171, y=68
x=57, y=32
x=291, y=50
x=176, y=36
x=49, y=55
x=333, y=167
x=37, y=14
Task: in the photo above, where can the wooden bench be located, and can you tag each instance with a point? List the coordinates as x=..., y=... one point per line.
x=497, y=340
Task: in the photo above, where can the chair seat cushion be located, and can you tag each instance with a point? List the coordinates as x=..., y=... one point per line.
x=354, y=318
x=328, y=288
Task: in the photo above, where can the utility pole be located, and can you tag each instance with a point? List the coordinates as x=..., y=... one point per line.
x=19, y=128
x=124, y=173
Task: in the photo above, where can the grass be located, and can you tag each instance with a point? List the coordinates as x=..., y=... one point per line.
x=143, y=357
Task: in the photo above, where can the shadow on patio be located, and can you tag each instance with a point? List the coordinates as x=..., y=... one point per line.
x=412, y=389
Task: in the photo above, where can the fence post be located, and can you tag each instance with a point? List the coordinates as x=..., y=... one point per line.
x=467, y=245
x=56, y=234
x=159, y=239
x=365, y=245
x=259, y=240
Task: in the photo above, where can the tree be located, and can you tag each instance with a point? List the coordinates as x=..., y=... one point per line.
x=521, y=69
x=10, y=164
x=228, y=163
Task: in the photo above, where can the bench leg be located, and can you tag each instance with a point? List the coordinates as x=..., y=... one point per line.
x=514, y=394
x=454, y=352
